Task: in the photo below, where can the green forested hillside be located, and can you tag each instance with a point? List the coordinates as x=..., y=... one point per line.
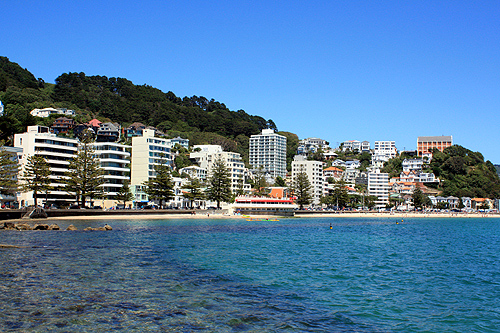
x=119, y=99
x=202, y=120
x=465, y=173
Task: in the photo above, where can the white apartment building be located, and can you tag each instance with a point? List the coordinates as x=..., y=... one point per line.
x=412, y=164
x=57, y=151
x=314, y=172
x=44, y=113
x=182, y=142
x=115, y=162
x=147, y=151
x=352, y=164
x=268, y=150
x=10, y=200
x=311, y=145
x=350, y=175
x=351, y=145
x=195, y=172
x=206, y=155
x=378, y=185
x=365, y=147
x=385, y=150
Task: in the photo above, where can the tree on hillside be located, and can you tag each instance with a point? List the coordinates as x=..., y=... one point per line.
x=124, y=194
x=279, y=182
x=292, y=143
x=420, y=199
x=219, y=183
x=36, y=176
x=316, y=156
x=302, y=189
x=161, y=187
x=340, y=195
x=370, y=201
x=9, y=169
x=85, y=175
x=260, y=182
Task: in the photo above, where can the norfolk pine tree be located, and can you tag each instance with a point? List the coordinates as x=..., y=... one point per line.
x=124, y=194
x=162, y=186
x=193, y=190
x=219, y=183
x=85, y=175
x=36, y=176
x=302, y=189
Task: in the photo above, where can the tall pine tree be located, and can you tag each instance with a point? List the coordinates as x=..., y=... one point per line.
x=302, y=189
x=36, y=176
x=161, y=187
x=192, y=190
x=124, y=194
x=85, y=175
x=219, y=183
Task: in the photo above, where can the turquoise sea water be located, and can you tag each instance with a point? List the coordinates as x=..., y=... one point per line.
x=295, y=275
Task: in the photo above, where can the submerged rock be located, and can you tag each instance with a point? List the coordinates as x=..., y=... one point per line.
x=9, y=226
x=41, y=227
x=23, y=226
x=7, y=246
x=105, y=228
x=71, y=228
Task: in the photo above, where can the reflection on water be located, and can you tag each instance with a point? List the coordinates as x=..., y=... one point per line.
x=295, y=275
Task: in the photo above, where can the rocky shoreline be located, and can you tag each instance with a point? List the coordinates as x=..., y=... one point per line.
x=44, y=226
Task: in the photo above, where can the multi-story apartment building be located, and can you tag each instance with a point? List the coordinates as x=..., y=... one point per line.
x=412, y=164
x=311, y=145
x=385, y=150
x=108, y=132
x=365, y=147
x=62, y=125
x=351, y=145
x=44, y=113
x=350, y=175
x=115, y=162
x=206, y=155
x=135, y=129
x=13, y=153
x=268, y=150
x=314, y=172
x=180, y=141
x=333, y=172
x=147, y=151
x=195, y=171
x=378, y=185
x=425, y=144
x=57, y=151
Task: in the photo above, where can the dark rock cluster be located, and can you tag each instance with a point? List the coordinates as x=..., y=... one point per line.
x=44, y=226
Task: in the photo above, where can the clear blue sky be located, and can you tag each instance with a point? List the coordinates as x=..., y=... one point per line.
x=338, y=70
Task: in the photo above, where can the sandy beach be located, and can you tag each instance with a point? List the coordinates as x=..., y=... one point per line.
x=307, y=215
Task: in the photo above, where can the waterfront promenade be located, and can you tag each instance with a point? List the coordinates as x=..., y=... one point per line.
x=90, y=214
